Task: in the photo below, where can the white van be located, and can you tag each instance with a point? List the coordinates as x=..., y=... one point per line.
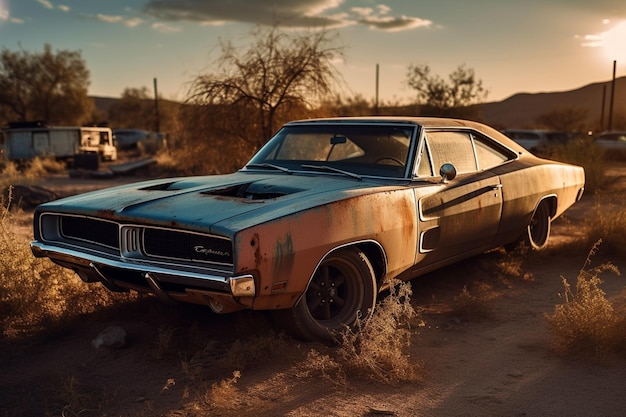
x=26, y=141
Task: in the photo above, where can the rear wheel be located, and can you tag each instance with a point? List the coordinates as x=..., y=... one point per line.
x=538, y=231
x=343, y=287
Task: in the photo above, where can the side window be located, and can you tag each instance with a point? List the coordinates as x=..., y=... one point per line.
x=424, y=169
x=488, y=155
x=453, y=147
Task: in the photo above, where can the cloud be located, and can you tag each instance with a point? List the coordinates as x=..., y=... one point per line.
x=163, y=28
x=46, y=4
x=109, y=18
x=131, y=23
x=378, y=19
x=5, y=16
x=591, y=41
x=114, y=19
x=285, y=13
x=394, y=24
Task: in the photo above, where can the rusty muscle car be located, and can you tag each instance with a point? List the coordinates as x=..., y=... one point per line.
x=320, y=220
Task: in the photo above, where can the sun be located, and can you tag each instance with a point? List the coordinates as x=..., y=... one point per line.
x=614, y=42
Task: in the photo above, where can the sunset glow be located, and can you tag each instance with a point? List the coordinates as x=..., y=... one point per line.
x=129, y=43
x=614, y=42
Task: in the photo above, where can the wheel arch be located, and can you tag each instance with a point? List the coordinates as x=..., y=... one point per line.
x=551, y=201
x=372, y=250
x=377, y=257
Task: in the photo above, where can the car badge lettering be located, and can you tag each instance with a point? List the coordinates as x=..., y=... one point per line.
x=209, y=251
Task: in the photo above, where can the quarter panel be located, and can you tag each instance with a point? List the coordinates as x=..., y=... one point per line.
x=524, y=185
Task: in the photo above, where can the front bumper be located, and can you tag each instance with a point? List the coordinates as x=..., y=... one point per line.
x=166, y=282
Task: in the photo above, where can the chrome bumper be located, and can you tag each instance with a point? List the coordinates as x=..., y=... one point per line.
x=93, y=267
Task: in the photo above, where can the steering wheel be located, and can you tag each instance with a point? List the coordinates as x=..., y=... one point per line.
x=389, y=158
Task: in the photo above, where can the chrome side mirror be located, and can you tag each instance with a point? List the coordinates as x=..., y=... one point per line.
x=447, y=172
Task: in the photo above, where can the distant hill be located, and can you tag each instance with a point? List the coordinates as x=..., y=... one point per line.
x=522, y=110
x=104, y=103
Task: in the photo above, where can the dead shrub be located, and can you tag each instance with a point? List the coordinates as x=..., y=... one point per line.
x=224, y=394
x=587, y=321
x=322, y=366
x=607, y=222
x=474, y=303
x=377, y=347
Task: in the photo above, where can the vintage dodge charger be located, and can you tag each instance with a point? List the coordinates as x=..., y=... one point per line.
x=319, y=221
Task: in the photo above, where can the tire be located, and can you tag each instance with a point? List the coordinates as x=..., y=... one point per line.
x=342, y=288
x=538, y=230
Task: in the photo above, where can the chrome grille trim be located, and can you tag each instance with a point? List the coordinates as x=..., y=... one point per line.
x=129, y=240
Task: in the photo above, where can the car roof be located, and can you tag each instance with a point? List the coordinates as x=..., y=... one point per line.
x=422, y=121
x=425, y=122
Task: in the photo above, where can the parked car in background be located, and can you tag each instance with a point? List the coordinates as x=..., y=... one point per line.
x=128, y=138
x=535, y=139
x=612, y=140
x=325, y=216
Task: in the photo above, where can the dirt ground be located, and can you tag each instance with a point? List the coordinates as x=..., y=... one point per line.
x=497, y=364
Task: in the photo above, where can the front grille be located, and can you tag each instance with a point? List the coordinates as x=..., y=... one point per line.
x=173, y=244
x=90, y=230
x=137, y=241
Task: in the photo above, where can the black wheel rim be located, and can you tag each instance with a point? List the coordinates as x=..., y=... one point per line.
x=334, y=296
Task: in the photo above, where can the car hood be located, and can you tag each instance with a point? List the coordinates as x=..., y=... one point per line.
x=218, y=204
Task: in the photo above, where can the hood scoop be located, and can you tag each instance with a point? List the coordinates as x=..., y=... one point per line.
x=166, y=186
x=252, y=191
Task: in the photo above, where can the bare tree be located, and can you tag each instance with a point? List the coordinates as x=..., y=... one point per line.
x=254, y=90
x=44, y=86
x=439, y=97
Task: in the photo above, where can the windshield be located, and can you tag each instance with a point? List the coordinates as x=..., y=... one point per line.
x=371, y=150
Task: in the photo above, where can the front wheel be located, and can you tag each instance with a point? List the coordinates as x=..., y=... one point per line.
x=342, y=288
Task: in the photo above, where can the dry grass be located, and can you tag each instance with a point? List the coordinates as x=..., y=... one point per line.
x=319, y=365
x=607, y=222
x=12, y=173
x=377, y=348
x=35, y=293
x=224, y=395
x=475, y=302
x=586, y=321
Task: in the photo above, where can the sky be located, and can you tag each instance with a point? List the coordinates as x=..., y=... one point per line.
x=513, y=46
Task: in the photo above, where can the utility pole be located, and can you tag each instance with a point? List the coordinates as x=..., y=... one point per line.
x=376, y=103
x=610, y=127
x=157, y=127
x=602, y=108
